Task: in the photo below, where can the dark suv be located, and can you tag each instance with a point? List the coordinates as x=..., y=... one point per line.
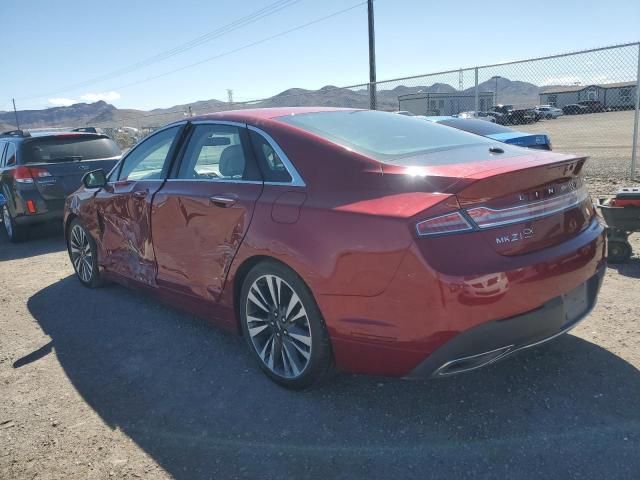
x=38, y=171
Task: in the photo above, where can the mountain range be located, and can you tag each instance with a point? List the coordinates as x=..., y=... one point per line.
x=106, y=115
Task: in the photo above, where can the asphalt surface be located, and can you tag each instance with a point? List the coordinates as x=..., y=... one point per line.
x=108, y=383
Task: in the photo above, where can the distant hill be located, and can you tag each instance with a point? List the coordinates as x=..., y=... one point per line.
x=106, y=115
x=510, y=91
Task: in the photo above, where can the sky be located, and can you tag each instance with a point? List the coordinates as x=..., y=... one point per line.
x=69, y=51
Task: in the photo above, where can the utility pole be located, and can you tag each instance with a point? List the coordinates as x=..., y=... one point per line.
x=15, y=112
x=372, y=58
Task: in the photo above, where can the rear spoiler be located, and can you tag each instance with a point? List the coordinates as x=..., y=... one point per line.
x=15, y=133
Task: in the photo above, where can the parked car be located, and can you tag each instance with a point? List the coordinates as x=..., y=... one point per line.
x=479, y=115
x=514, y=116
x=342, y=237
x=593, y=106
x=548, y=112
x=574, y=109
x=37, y=172
x=88, y=130
x=500, y=133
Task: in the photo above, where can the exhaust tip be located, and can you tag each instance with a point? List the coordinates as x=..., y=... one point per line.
x=466, y=364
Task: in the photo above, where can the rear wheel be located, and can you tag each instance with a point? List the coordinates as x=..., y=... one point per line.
x=619, y=251
x=16, y=233
x=283, y=327
x=83, y=255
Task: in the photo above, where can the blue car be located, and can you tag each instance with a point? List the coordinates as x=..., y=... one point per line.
x=496, y=132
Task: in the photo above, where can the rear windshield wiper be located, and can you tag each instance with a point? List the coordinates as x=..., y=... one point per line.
x=70, y=158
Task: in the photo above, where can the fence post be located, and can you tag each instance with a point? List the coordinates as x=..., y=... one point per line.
x=636, y=119
x=477, y=93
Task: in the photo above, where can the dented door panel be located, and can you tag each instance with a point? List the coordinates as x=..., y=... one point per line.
x=197, y=233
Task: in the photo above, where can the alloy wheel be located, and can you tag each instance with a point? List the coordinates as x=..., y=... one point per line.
x=81, y=254
x=6, y=219
x=278, y=326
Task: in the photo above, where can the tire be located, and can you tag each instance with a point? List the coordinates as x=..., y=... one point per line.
x=549, y=116
x=283, y=327
x=83, y=254
x=619, y=251
x=16, y=233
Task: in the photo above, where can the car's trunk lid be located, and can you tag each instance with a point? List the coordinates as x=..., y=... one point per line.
x=518, y=204
x=65, y=177
x=58, y=162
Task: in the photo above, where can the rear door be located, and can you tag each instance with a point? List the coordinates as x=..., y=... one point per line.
x=202, y=213
x=123, y=208
x=60, y=161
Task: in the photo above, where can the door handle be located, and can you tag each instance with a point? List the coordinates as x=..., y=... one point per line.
x=140, y=194
x=222, y=201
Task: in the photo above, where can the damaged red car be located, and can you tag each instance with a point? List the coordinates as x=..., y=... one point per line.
x=346, y=239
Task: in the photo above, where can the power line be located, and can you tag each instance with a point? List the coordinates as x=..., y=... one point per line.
x=207, y=37
x=244, y=47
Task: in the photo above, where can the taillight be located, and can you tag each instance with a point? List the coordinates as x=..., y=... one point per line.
x=40, y=173
x=485, y=217
x=23, y=174
x=448, y=223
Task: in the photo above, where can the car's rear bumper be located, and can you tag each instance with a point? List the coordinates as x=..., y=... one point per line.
x=424, y=309
x=32, y=219
x=493, y=341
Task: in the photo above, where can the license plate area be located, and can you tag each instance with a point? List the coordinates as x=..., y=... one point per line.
x=576, y=303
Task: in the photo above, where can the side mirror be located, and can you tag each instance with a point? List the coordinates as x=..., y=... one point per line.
x=95, y=179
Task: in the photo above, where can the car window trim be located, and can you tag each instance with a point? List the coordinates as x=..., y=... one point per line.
x=171, y=154
x=296, y=178
x=175, y=169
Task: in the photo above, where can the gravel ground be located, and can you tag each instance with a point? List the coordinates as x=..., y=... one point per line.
x=604, y=137
x=100, y=384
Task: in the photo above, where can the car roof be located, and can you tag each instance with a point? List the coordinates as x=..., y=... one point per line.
x=258, y=114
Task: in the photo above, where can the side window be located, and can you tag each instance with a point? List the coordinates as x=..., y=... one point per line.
x=10, y=155
x=2, y=145
x=271, y=165
x=214, y=152
x=148, y=160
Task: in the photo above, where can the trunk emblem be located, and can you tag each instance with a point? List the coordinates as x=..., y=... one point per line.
x=514, y=237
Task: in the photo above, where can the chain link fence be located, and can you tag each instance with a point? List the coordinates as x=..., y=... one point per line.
x=586, y=102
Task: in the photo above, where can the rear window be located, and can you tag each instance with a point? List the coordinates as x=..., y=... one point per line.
x=62, y=149
x=387, y=137
x=479, y=127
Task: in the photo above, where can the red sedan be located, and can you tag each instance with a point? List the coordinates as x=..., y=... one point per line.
x=367, y=241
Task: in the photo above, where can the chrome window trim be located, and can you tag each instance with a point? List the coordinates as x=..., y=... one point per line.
x=214, y=180
x=219, y=122
x=217, y=180
x=296, y=179
x=123, y=157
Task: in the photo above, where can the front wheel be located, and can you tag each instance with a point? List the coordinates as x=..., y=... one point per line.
x=283, y=327
x=83, y=255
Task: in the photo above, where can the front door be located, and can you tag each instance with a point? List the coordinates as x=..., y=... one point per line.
x=123, y=208
x=202, y=213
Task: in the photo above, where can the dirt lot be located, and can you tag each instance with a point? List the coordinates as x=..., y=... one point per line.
x=604, y=137
x=109, y=384
x=100, y=384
